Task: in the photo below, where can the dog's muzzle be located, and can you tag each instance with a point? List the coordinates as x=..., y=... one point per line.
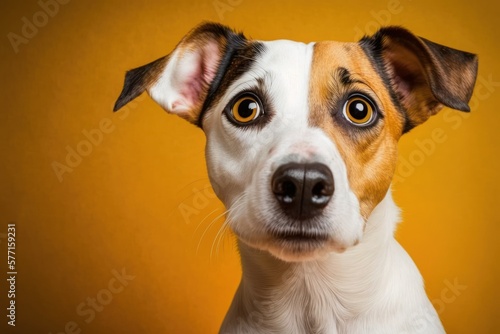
x=303, y=189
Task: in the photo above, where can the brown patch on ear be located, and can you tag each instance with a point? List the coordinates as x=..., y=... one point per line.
x=369, y=155
x=424, y=76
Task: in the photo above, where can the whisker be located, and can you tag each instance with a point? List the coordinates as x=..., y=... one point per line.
x=225, y=226
x=199, y=224
x=208, y=227
x=226, y=229
x=218, y=238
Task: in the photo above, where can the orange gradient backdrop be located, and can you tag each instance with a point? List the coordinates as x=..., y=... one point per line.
x=138, y=202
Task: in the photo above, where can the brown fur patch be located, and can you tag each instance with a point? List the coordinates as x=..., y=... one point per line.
x=370, y=154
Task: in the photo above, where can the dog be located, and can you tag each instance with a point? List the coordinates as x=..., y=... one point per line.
x=301, y=148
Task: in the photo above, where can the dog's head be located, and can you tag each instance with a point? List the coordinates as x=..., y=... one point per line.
x=302, y=138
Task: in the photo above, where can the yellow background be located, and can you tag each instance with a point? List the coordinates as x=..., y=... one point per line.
x=141, y=200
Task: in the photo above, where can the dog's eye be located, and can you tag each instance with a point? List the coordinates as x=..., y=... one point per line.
x=246, y=109
x=359, y=110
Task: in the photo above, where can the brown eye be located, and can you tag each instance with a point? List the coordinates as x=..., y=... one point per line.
x=359, y=110
x=246, y=109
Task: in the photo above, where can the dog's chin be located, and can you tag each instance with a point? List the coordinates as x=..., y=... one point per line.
x=300, y=247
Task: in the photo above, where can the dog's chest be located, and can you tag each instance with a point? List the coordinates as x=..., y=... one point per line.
x=308, y=303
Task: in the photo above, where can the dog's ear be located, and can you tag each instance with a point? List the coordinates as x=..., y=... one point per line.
x=424, y=76
x=179, y=82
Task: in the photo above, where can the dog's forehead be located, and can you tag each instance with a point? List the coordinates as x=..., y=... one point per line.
x=294, y=71
x=317, y=64
x=316, y=70
x=325, y=55
x=284, y=53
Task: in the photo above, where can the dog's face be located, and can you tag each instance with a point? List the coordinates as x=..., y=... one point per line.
x=302, y=138
x=296, y=106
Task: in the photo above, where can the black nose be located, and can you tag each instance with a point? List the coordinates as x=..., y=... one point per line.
x=303, y=190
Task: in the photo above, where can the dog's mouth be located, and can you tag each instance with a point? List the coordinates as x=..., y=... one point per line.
x=299, y=245
x=300, y=236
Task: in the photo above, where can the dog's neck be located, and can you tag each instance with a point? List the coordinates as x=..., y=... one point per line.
x=277, y=293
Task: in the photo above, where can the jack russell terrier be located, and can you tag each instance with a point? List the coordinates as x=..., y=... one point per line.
x=301, y=149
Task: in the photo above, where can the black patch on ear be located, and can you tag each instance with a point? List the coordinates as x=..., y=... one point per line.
x=239, y=56
x=137, y=80
x=234, y=42
x=449, y=74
